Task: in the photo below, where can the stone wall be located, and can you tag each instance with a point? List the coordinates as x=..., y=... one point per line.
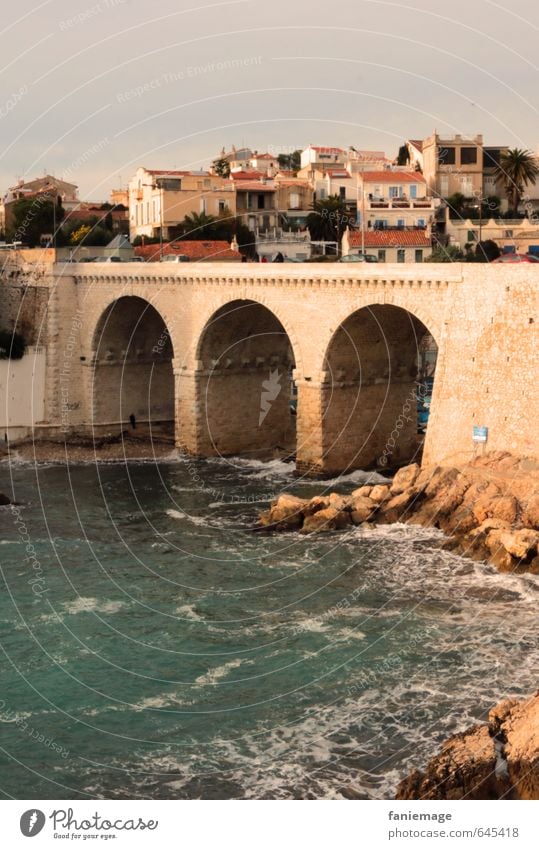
x=483, y=318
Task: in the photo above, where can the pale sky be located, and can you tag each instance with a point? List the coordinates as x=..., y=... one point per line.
x=91, y=89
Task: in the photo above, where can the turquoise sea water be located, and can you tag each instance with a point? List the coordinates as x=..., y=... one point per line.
x=172, y=653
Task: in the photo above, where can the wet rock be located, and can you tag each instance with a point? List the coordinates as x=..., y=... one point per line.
x=329, y=519
x=363, y=509
x=285, y=513
x=362, y=491
x=315, y=504
x=520, y=543
x=494, y=761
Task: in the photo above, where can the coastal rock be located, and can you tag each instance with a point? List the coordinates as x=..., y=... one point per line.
x=329, y=519
x=530, y=514
x=362, y=491
x=363, y=509
x=315, y=504
x=379, y=493
x=520, y=543
x=494, y=761
x=4, y=500
x=405, y=478
x=339, y=502
x=286, y=512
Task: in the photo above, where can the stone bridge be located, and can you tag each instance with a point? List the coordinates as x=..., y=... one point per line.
x=213, y=349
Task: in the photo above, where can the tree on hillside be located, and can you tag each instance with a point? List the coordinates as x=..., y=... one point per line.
x=199, y=225
x=448, y=254
x=221, y=167
x=328, y=219
x=290, y=161
x=517, y=169
x=33, y=218
x=403, y=157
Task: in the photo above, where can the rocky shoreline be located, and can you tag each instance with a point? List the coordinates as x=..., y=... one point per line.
x=489, y=509
x=497, y=760
x=125, y=446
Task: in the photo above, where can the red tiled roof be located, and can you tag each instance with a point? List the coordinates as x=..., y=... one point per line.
x=254, y=186
x=392, y=177
x=390, y=239
x=247, y=175
x=327, y=149
x=196, y=250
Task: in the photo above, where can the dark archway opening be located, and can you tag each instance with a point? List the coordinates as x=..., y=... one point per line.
x=379, y=376
x=132, y=378
x=244, y=384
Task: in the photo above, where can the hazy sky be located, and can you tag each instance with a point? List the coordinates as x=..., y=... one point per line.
x=91, y=90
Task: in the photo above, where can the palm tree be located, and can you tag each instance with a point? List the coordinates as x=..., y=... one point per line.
x=329, y=219
x=198, y=225
x=516, y=170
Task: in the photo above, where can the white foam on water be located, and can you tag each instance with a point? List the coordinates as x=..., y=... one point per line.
x=196, y=520
x=92, y=605
x=187, y=611
x=215, y=675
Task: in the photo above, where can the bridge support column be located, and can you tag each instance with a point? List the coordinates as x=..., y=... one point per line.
x=310, y=434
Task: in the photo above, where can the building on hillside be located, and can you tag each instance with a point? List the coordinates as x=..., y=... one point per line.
x=512, y=236
x=388, y=245
x=48, y=187
x=120, y=197
x=265, y=162
x=395, y=200
x=159, y=200
x=209, y=250
x=314, y=156
x=294, y=201
x=457, y=164
x=256, y=200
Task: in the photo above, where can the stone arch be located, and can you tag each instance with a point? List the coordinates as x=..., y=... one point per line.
x=378, y=365
x=131, y=366
x=245, y=360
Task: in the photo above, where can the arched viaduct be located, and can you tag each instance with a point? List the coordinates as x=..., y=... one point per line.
x=211, y=349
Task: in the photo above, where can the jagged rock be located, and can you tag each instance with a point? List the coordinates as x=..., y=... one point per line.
x=329, y=519
x=497, y=507
x=286, y=512
x=362, y=491
x=520, y=543
x=363, y=509
x=405, y=478
x=530, y=514
x=494, y=761
x=315, y=504
x=339, y=502
x=379, y=493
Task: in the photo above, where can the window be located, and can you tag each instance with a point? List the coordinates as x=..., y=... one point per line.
x=413, y=192
x=260, y=201
x=322, y=194
x=446, y=156
x=421, y=222
x=468, y=156
x=342, y=192
x=400, y=223
x=401, y=255
x=222, y=206
x=395, y=191
x=419, y=255
x=491, y=157
x=508, y=249
x=381, y=255
x=147, y=212
x=294, y=200
x=380, y=223
x=444, y=187
x=508, y=234
x=472, y=235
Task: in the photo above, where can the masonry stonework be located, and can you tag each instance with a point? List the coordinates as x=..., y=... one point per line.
x=350, y=392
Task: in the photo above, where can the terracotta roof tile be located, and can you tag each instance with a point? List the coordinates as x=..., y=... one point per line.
x=392, y=177
x=390, y=239
x=196, y=250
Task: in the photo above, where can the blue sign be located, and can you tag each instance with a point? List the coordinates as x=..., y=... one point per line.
x=480, y=434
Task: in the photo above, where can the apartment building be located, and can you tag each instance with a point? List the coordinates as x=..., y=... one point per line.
x=459, y=164
x=159, y=200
